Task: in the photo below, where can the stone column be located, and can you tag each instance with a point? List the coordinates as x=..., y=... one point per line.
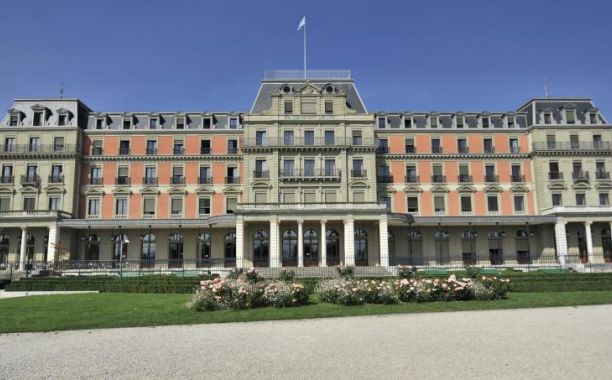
x=53, y=242
x=300, y=243
x=349, y=241
x=239, y=242
x=589, y=239
x=561, y=239
x=274, y=257
x=323, y=243
x=22, y=249
x=383, y=236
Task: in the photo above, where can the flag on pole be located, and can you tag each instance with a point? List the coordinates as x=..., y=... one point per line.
x=302, y=23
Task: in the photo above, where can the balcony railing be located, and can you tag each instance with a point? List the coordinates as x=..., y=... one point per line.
x=463, y=150
x=177, y=180
x=261, y=174
x=602, y=174
x=124, y=151
x=438, y=178
x=491, y=178
x=35, y=213
x=411, y=178
x=580, y=175
x=304, y=142
x=386, y=178
x=205, y=180
x=464, y=178
x=95, y=180
x=122, y=180
x=437, y=150
x=555, y=175
x=309, y=206
x=152, y=151
x=232, y=180
x=232, y=150
x=517, y=178
x=310, y=174
x=489, y=150
x=7, y=179
x=410, y=149
x=359, y=173
x=33, y=180
x=204, y=150
x=152, y=181
x=178, y=150
x=58, y=178
x=34, y=149
x=96, y=151
x=580, y=145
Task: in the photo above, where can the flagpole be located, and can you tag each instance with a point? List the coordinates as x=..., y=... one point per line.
x=304, y=49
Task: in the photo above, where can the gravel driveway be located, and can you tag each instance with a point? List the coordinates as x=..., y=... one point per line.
x=556, y=343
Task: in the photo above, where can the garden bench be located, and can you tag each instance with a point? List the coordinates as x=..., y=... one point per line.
x=489, y=272
x=436, y=272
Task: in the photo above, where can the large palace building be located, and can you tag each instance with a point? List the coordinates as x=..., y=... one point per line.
x=308, y=177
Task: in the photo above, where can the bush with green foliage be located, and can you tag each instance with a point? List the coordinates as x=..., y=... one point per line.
x=346, y=271
x=286, y=275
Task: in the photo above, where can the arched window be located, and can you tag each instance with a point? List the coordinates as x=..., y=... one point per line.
x=230, y=250
x=148, y=250
x=332, y=243
x=361, y=248
x=204, y=253
x=289, y=248
x=175, y=250
x=606, y=245
x=4, y=250
x=94, y=248
x=261, y=244
x=120, y=244
x=311, y=248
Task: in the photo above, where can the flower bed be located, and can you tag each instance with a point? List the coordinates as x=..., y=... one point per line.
x=246, y=292
x=356, y=292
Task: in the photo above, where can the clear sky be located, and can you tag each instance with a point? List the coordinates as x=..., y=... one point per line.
x=120, y=55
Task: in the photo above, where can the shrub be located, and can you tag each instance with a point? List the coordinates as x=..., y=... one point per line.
x=282, y=294
x=340, y=291
x=498, y=287
x=471, y=271
x=234, y=274
x=404, y=271
x=252, y=276
x=380, y=292
x=286, y=275
x=346, y=272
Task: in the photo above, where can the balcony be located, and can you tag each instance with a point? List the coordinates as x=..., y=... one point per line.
x=28, y=149
x=96, y=151
x=34, y=148
x=438, y=178
x=122, y=180
x=151, y=181
x=232, y=180
x=491, y=178
x=124, y=151
x=602, y=175
x=205, y=180
x=178, y=150
x=464, y=178
x=570, y=146
x=412, y=178
x=310, y=175
x=30, y=180
x=489, y=150
x=95, y=180
x=386, y=178
x=410, y=149
x=42, y=214
x=204, y=150
x=555, y=176
x=232, y=150
x=463, y=150
x=517, y=178
x=437, y=150
x=151, y=151
x=261, y=174
x=266, y=207
x=580, y=175
x=301, y=142
x=7, y=179
x=177, y=180
x=359, y=173
x=57, y=178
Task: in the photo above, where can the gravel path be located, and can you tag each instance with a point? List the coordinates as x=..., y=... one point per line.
x=556, y=343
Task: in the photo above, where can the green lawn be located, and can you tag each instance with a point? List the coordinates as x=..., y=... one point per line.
x=89, y=311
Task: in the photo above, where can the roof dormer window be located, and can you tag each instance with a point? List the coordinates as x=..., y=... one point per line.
x=286, y=89
x=180, y=122
x=460, y=121
x=329, y=89
x=62, y=119
x=207, y=122
x=510, y=121
x=15, y=118
x=433, y=121
x=382, y=122
x=127, y=123
x=233, y=123
x=153, y=122
x=38, y=118
x=486, y=122
x=570, y=116
x=593, y=117
x=100, y=123
x=547, y=118
x=408, y=121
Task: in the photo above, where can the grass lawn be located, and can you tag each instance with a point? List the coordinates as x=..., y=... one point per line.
x=89, y=311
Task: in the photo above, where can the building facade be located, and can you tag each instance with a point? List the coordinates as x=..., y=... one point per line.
x=308, y=177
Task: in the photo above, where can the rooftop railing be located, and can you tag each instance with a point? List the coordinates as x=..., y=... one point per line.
x=308, y=74
x=303, y=142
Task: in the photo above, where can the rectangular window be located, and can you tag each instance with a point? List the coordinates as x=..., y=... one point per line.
x=288, y=167
x=58, y=144
x=464, y=173
x=433, y=120
x=460, y=121
x=179, y=147
x=55, y=203
x=34, y=144
x=593, y=118
x=309, y=167
x=288, y=138
x=121, y=206
x=462, y=145
x=93, y=207
x=411, y=174
x=413, y=204
x=96, y=148
x=382, y=122
x=383, y=146
x=597, y=142
x=124, y=147
x=288, y=107
x=148, y=206
x=123, y=175
x=14, y=120
x=204, y=146
x=176, y=206
x=205, y=176
x=310, y=197
x=466, y=203
x=38, y=117
x=5, y=204
x=604, y=199
x=330, y=138
x=127, y=123
x=309, y=107
x=204, y=206
x=488, y=145
x=207, y=122
x=62, y=119
x=180, y=122
x=510, y=120
x=29, y=204
x=153, y=123
x=100, y=123
x=329, y=107
x=408, y=122
x=330, y=197
x=435, y=145
x=260, y=138
x=580, y=199
x=330, y=167
x=410, y=145
x=439, y=206
x=357, y=139
x=574, y=142
x=232, y=146
x=570, y=117
x=557, y=199
x=514, y=145
x=547, y=118
x=308, y=137
x=233, y=123
x=519, y=203
x=231, y=204
x=492, y=203
x=151, y=146
x=485, y=122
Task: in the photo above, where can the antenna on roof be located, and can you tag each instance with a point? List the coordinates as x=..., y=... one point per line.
x=545, y=88
x=61, y=90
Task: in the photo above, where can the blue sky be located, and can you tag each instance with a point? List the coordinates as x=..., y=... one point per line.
x=119, y=55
